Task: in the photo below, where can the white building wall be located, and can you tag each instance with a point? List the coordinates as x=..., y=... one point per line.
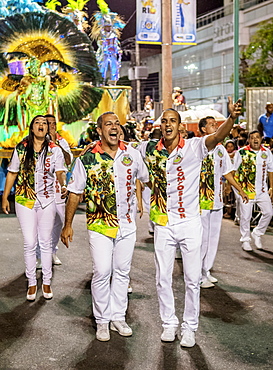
x=204, y=70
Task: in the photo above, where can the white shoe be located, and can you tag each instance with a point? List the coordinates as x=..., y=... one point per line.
x=130, y=289
x=212, y=279
x=47, y=295
x=207, y=284
x=257, y=240
x=188, y=338
x=56, y=260
x=246, y=247
x=31, y=297
x=169, y=334
x=38, y=264
x=122, y=328
x=102, y=333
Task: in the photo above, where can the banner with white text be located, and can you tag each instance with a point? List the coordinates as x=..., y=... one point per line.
x=184, y=22
x=148, y=22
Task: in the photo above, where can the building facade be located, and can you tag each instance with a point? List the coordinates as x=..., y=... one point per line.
x=204, y=71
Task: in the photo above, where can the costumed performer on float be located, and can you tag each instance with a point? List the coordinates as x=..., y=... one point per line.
x=106, y=30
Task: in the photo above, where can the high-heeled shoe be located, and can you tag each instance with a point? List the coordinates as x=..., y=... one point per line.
x=47, y=295
x=31, y=297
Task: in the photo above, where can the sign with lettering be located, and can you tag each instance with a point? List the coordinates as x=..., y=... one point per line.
x=184, y=22
x=223, y=33
x=148, y=22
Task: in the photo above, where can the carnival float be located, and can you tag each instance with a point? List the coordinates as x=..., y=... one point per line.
x=48, y=65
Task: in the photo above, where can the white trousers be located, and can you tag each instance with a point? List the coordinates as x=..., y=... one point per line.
x=57, y=229
x=211, y=222
x=36, y=225
x=264, y=202
x=237, y=203
x=187, y=236
x=111, y=260
x=146, y=198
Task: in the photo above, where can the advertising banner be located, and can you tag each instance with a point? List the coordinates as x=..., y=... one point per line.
x=184, y=22
x=148, y=22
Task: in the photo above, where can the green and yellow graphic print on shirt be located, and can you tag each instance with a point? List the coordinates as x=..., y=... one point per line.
x=101, y=210
x=25, y=188
x=246, y=173
x=207, y=183
x=156, y=161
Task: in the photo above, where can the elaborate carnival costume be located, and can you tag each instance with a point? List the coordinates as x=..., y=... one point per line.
x=106, y=29
x=61, y=67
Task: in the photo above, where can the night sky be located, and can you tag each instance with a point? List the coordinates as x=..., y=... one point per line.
x=127, y=7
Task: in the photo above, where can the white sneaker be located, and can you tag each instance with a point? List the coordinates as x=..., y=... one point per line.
x=56, y=260
x=207, y=284
x=38, y=264
x=257, y=240
x=102, y=333
x=130, y=289
x=122, y=328
x=188, y=338
x=212, y=279
x=169, y=334
x=246, y=247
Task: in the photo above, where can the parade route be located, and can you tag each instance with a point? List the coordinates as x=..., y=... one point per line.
x=236, y=321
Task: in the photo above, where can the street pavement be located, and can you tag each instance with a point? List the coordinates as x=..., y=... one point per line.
x=236, y=320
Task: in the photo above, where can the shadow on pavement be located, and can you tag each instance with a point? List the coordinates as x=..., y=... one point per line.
x=261, y=257
x=105, y=355
x=13, y=322
x=16, y=287
x=216, y=303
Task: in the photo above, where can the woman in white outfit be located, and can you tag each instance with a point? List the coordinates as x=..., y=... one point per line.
x=34, y=162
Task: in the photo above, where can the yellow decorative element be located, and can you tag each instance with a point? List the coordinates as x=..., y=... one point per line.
x=120, y=106
x=79, y=4
x=51, y=4
x=9, y=85
x=67, y=84
x=68, y=137
x=15, y=138
x=103, y=6
x=29, y=203
x=41, y=45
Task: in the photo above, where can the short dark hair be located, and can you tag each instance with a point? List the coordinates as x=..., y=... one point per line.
x=202, y=123
x=254, y=132
x=173, y=110
x=99, y=120
x=49, y=116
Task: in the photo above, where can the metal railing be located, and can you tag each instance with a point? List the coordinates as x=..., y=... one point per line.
x=210, y=17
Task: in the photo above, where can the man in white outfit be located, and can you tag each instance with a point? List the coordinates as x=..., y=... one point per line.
x=253, y=164
x=214, y=166
x=174, y=164
x=107, y=173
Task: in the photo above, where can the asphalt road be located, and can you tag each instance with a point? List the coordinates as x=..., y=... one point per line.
x=236, y=321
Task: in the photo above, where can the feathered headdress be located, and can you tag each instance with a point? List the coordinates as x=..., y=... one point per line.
x=105, y=17
x=50, y=37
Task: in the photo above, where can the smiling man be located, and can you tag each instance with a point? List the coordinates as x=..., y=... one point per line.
x=216, y=165
x=254, y=163
x=174, y=165
x=107, y=173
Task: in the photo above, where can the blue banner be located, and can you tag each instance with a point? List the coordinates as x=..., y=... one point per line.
x=184, y=22
x=148, y=22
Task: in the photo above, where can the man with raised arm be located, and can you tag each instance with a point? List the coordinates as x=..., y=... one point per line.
x=174, y=165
